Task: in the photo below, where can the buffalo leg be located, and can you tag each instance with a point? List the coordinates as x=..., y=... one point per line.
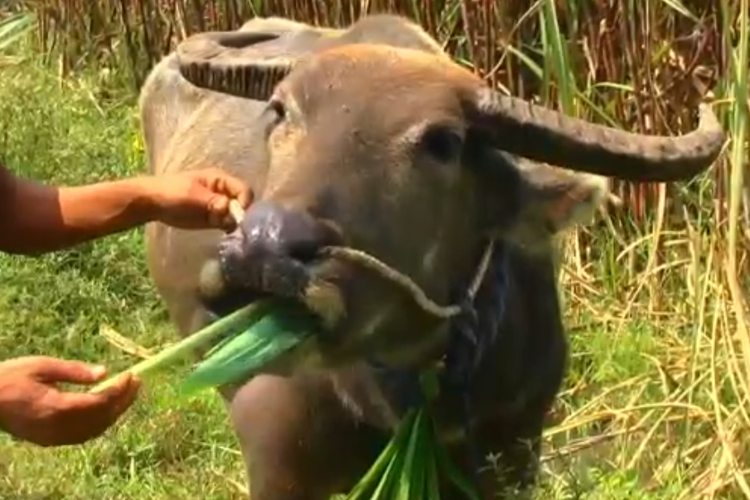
x=297, y=439
x=516, y=450
x=515, y=446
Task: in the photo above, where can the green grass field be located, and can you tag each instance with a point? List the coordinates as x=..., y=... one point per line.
x=649, y=410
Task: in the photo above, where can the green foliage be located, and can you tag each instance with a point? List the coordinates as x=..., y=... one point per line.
x=655, y=404
x=275, y=330
x=168, y=446
x=57, y=132
x=409, y=466
x=13, y=28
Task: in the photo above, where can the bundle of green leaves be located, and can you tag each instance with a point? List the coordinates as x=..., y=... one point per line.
x=247, y=340
x=251, y=343
x=408, y=467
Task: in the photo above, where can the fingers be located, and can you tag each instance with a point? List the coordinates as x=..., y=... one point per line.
x=89, y=415
x=111, y=402
x=232, y=187
x=236, y=189
x=39, y=413
x=219, y=214
x=200, y=199
x=223, y=188
x=52, y=370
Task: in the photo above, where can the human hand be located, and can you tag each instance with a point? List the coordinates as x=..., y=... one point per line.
x=34, y=410
x=199, y=199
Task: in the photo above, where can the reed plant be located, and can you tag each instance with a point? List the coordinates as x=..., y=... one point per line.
x=672, y=258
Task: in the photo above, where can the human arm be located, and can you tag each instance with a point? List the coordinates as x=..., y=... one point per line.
x=33, y=409
x=37, y=218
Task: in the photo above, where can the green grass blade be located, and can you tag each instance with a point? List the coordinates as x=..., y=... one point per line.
x=240, y=358
x=228, y=325
x=679, y=7
x=389, y=478
x=410, y=485
x=243, y=355
x=14, y=27
x=419, y=458
x=372, y=476
x=432, y=480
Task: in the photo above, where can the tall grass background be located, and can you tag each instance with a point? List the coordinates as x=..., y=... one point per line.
x=666, y=269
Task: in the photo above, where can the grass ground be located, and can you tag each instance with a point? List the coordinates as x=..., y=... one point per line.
x=636, y=421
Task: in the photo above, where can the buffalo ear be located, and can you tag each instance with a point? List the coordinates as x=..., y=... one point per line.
x=551, y=200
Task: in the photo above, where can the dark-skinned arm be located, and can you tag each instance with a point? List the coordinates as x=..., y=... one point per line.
x=37, y=218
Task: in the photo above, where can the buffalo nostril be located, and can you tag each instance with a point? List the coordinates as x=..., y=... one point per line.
x=271, y=229
x=325, y=234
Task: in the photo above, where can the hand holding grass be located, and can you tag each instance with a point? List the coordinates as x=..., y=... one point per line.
x=258, y=334
x=253, y=337
x=33, y=409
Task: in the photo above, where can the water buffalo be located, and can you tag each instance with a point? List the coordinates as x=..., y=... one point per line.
x=371, y=137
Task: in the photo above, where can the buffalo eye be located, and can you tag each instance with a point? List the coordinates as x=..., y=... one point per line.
x=277, y=108
x=275, y=113
x=442, y=143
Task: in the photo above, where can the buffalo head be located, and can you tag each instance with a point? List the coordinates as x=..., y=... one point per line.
x=404, y=154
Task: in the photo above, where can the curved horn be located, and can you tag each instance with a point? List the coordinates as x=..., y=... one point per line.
x=544, y=135
x=232, y=62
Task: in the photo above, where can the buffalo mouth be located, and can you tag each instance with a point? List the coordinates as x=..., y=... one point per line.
x=244, y=278
x=359, y=313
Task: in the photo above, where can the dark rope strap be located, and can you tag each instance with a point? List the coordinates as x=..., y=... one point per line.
x=470, y=337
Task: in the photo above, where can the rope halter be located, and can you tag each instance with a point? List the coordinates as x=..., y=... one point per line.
x=385, y=271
